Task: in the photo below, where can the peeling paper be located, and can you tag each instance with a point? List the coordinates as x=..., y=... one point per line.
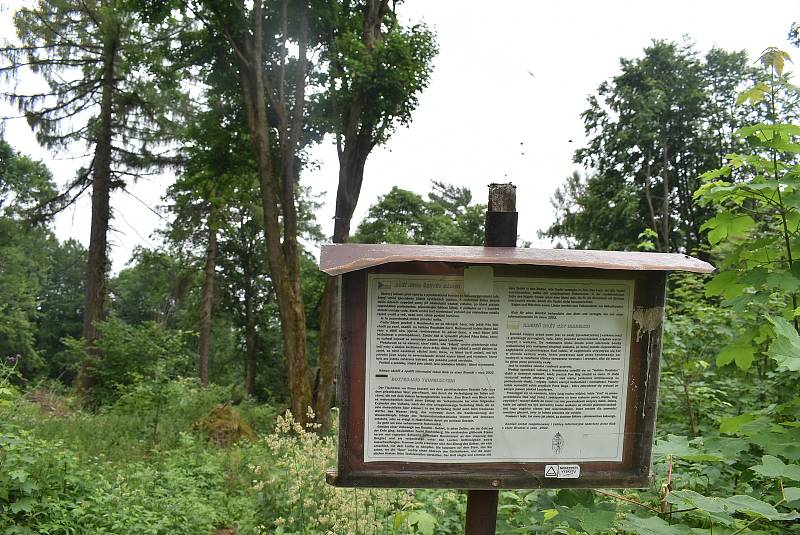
x=647, y=320
x=479, y=280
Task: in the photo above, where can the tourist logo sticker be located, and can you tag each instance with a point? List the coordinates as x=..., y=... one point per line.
x=562, y=471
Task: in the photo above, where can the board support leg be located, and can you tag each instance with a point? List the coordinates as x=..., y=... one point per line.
x=481, y=512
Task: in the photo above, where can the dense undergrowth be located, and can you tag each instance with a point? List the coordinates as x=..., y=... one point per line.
x=146, y=465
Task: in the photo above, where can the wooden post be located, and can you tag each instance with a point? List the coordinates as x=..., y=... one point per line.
x=481, y=512
x=500, y=231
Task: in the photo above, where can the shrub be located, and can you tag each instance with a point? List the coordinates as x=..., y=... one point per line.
x=134, y=354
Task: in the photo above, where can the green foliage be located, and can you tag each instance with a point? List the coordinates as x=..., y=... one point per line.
x=293, y=497
x=447, y=218
x=131, y=354
x=27, y=249
x=68, y=44
x=384, y=74
x=753, y=234
x=25, y=182
x=154, y=287
x=36, y=474
x=755, y=229
x=45, y=488
x=98, y=481
x=652, y=129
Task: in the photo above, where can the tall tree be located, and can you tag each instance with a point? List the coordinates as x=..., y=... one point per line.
x=25, y=250
x=267, y=46
x=215, y=181
x=60, y=307
x=652, y=130
x=99, y=64
x=377, y=68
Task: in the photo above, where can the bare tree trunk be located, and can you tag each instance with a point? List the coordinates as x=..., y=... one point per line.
x=330, y=318
x=249, y=329
x=97, y=265
x=282, y=258
x=359, y=139
x=207, y=306
x=351, y=175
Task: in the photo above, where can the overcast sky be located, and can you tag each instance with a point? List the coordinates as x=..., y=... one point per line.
x=483, y=118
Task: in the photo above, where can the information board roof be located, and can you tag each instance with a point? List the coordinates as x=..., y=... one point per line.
x=344, y=258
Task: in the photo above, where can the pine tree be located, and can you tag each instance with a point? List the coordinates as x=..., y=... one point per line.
x=108, y=92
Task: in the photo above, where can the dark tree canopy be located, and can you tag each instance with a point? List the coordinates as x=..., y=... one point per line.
x=652, y=129
x=448, y=217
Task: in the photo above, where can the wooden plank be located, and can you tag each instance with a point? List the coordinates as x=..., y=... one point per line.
x=445, y=477
x=344, y=258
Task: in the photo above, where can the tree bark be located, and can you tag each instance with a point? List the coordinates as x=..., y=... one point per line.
x=283, y=259
x=665, y=222
x=249, y=328
x=351, y=175
x=207, y=300
x=358, y=140
x=97, y=265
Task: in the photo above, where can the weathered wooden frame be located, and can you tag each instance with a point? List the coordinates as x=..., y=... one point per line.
x=645, y=354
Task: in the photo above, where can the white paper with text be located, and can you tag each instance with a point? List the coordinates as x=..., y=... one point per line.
x=536, y=371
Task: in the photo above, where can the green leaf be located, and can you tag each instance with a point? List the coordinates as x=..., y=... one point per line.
x=791, y=493
x=651, y=525
x=19, y=474
x=792, y=472
x=573, y=497
x=784, y=443
x=769, y=130
x=593, y=519
x=678, y=446
x=23, y=504
x=725, y=170
x=775, y=58
x=724, y=284
x=689, y=498
x=785, y=348
x=739, y=352
x=399, y=519
x=752, y=506
x=727, y=225
x=729, y=448
x=770, y=466
x=424, y=521
x=672, y=445
x=735, y=423
x=754, y=95
x=783, y=280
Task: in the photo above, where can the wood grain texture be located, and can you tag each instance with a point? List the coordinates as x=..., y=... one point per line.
x=337, y=259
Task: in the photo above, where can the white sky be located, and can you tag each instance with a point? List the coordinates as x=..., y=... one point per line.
x=481, y=104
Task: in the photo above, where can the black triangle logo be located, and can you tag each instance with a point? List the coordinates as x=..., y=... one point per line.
x=551, y=471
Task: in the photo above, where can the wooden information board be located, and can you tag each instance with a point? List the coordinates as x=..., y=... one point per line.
x=498, y=368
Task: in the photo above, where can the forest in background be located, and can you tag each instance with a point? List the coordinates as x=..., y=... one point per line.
x=154, y=400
